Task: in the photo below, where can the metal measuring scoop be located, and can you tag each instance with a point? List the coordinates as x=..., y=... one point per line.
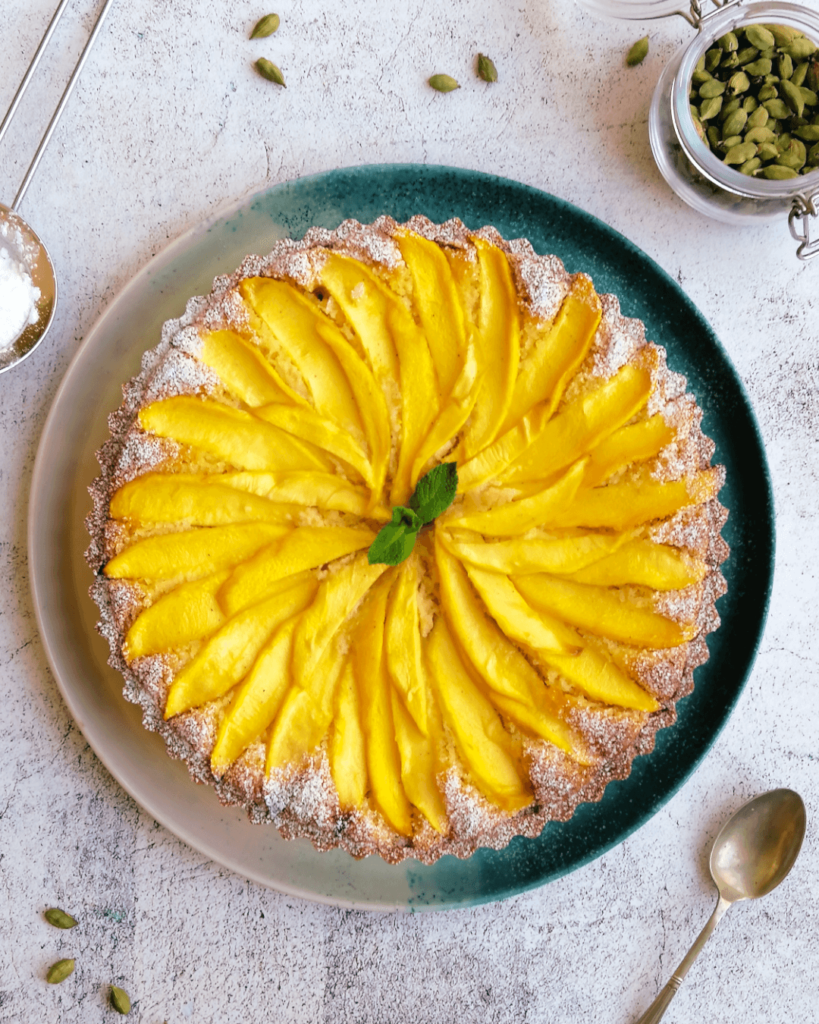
x=753, y=853
x=15, y=234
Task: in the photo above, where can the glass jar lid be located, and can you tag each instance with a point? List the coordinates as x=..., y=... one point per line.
x=638, y=10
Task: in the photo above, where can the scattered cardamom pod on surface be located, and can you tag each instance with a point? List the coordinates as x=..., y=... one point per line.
x=752, y=91
x=59, y=918
x=486, y=68
x=638, y=53
x=444, y=83
x=266, y=26
x=59, y=972
x=267, y=69
x=120, y=1000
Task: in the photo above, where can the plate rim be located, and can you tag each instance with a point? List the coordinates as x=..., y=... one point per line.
x=223, y=212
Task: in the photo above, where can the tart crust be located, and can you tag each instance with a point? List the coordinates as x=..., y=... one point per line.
x=302, y=801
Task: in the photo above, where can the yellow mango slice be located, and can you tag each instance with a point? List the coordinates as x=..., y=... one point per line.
x=290, y=320
x=623, y=506
x=601, y=611
x=516, y=517
x=419, y=766
x=192, y=554
x=557, y=353
x=370, y=670
x=397, y=351
x=192, y=499
x=455, y=410
x=493, y=460
x=438, y=305
x=602, y=680
x=306, y=714
x=231, y=435
x=561, y=555
x=488, y=751
x=230, y=653
x=644, y=563
x=628, y=445
x=582, y=425
x=188, y=613
x=258, y=700
x=545, y=721
x=323, y=433
x=307, y=488
x=403, y=642
x=495, y=658
x=306, y=547
x=498, y=340
x=244, y=370
x=347, y=749
x=517, y=620
x=337, y=597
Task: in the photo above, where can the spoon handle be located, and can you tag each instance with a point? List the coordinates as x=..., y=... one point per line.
x=655, y=1012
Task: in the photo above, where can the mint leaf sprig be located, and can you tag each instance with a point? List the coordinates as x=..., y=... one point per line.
x=433, y=495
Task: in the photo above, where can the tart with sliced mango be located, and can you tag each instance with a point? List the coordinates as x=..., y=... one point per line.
x=406, y=539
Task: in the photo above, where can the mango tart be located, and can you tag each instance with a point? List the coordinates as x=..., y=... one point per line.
x=542, y=627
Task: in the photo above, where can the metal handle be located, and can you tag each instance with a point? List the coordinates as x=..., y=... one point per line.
x=804, y=209
x=654, y=1013
x=694, y=15
x=52, y=124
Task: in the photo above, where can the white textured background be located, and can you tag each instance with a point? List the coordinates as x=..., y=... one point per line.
x=168, y=123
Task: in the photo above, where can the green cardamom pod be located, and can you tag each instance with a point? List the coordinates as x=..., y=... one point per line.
x=712, y=134
x=739, y=154
x=728, y=43
x=59, y=972
x=783, y=35
x=759, y=135
x=710, y=108
x=800, y=49
x=59, y=918
x=734, y=124
x=694, y=112
x=266, y=26
x=701, y=77
x=809, y=96
x=730, y=141
x=730, y=60
x=486, y=68
x=767, y=92
x=267, y=69
x=776, y=108
x=792, y=95
x=784, y=66
x=443, y=83
x=729, y=107
x=767, y=151
x=758, y=118
x=812, y=75
x=774, y=172
x=750, y=104
x=739, y=83
x=800, y=73
x=807, y=169
x=698, y=128
x=758, y=67
x=794, y=155
x=813, y=155
x=771, y=80
x=751, y=165
x=712, y=59
x=759, y=36
x=808, y=133
x=120, y=1000
x=746, y=55
x=638, y=52
x=700, y=66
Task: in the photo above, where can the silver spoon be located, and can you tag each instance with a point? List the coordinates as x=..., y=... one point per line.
x=15, y=234
x=753, y=853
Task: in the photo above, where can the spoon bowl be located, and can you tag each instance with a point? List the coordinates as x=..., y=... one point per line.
x=757, y=847
x=26, y=248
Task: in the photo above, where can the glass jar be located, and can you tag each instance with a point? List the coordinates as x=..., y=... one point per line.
x=684, y=160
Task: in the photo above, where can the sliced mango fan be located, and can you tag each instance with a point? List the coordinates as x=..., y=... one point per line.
x=513, y=603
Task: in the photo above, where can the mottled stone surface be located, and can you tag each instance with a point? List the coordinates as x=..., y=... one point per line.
x=168, y=123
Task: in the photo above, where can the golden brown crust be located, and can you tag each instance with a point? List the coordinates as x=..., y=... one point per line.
x=302, y=801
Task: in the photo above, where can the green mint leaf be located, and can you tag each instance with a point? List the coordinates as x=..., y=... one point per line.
x=435, y=492
x=407, y=516
x=393, y=543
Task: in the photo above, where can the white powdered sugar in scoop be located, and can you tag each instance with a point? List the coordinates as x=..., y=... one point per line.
x=18, y=299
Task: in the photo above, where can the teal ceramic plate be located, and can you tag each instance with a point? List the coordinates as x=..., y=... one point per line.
x=76, y=427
